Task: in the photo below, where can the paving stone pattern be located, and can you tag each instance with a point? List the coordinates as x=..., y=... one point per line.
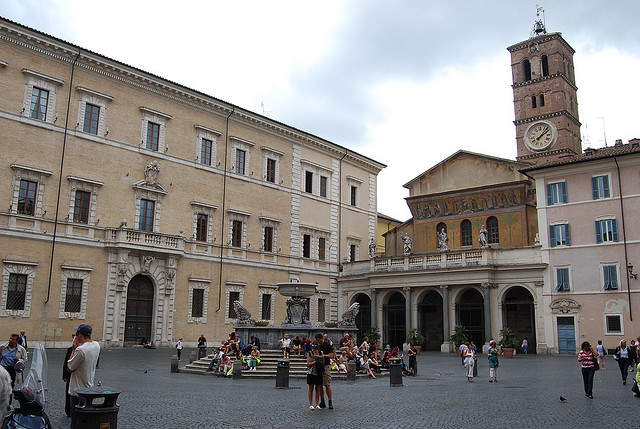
x=527, y=396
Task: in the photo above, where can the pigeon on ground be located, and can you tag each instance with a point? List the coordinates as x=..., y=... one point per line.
x=562, y=399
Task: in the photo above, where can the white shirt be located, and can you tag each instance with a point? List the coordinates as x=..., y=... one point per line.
x=179, y=345
x=83, y=366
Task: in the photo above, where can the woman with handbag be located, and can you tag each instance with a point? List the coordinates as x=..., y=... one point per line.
x=624, y=357
x=588, y=360
x=315, y=368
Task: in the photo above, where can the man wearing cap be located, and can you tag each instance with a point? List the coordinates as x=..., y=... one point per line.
x=11, y=353
x=82, y=365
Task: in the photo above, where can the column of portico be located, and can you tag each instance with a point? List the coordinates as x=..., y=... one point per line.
x=445, y=347
x=407, y=307
x=488, y=300
x=374, y=312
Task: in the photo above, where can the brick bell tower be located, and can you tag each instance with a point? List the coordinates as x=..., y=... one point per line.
x=545, y=97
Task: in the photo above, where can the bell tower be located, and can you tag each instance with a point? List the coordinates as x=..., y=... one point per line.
x=544, y=97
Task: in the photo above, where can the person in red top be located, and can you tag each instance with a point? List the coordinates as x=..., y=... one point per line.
x=587, y=358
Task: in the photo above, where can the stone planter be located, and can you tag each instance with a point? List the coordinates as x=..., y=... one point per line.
x=507, y=352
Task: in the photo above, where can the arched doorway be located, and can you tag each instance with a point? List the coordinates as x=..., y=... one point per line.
x=363, y=318
x=430, y=320
x=470, y=314
x=519, y=315
x=395, y=329
x=139, y=317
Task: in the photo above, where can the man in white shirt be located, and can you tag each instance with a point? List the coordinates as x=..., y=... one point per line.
x=82, y=365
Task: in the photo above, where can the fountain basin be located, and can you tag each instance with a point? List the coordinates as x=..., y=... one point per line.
x=302, y=290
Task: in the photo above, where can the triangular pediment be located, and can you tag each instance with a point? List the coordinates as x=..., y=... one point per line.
x=151, y=187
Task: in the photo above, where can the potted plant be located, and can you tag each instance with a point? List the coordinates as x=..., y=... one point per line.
x=459, y=336
x=373, y=334
x=416, y=338
x=508, y=342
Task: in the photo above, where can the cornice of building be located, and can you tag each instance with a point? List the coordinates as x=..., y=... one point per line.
x=50, y=46
x=558, y=74
x=540, y=39
x=548, y=116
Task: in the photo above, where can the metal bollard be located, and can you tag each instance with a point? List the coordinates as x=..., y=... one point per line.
x=192, y=356
x=395, y=376
x=174, y=363
x=282, y=374
x=351, y=371
x=202, y=352
x=237, y=370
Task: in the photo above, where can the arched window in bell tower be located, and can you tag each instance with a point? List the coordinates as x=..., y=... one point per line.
x=527, y=70
x=533, y=101
x=541, y=100
x=545, y=65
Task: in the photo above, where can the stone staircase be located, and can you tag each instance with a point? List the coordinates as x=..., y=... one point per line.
x=268, y=367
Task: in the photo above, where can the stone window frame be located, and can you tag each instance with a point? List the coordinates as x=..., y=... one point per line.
x=150, y=115
x=317, y=170
x=86, y=185
x=354, y=182
x=89, y=96
x=43, y=81
x=209, y=134
x=17, y=266
x=198, y=283
x=23, y=172
x=267, y=290
x=555, y=280
x=606, y=325
x=242, y=217
x=152, y=195
x=231, y=286
x=241, y=144
x=204, y=208
x=313, y=312
x=273, y=223
x=269, y=153
x=353, y=240
x=74, y=272
x=618, y=287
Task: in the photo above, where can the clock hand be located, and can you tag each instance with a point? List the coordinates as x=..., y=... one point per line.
x=543, y=133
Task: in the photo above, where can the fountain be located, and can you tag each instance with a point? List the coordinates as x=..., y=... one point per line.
x=297, y=321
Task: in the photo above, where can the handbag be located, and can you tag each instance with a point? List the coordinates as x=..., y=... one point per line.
x=596, y=365
x=635, y=389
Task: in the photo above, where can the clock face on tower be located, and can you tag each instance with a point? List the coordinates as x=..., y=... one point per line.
x=540, y=135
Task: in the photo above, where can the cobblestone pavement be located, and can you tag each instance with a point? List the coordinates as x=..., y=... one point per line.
x=527, y=396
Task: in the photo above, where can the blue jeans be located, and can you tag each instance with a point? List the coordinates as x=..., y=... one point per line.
x=587, y=378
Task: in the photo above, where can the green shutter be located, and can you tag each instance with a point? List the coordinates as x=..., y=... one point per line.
x=598, y=232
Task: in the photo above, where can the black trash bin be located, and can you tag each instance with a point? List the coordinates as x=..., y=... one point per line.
x=97, y=408
x=282, y=374
x=202, y=352
x=395, y=374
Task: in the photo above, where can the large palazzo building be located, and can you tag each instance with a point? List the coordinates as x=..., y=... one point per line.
x=526, y=272
x=146, y=208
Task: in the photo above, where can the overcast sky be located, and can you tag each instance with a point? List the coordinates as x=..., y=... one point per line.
x=407, y=83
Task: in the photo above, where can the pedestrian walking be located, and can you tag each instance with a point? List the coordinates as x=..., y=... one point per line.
x=588, y=360
x=525, y=345
x=179, y=348
x=602, y=352
x=469, y=360
x=493, y=354
x=624, y=358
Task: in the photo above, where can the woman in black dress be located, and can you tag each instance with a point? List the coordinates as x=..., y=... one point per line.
x=315, y=367
x=412, y=353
